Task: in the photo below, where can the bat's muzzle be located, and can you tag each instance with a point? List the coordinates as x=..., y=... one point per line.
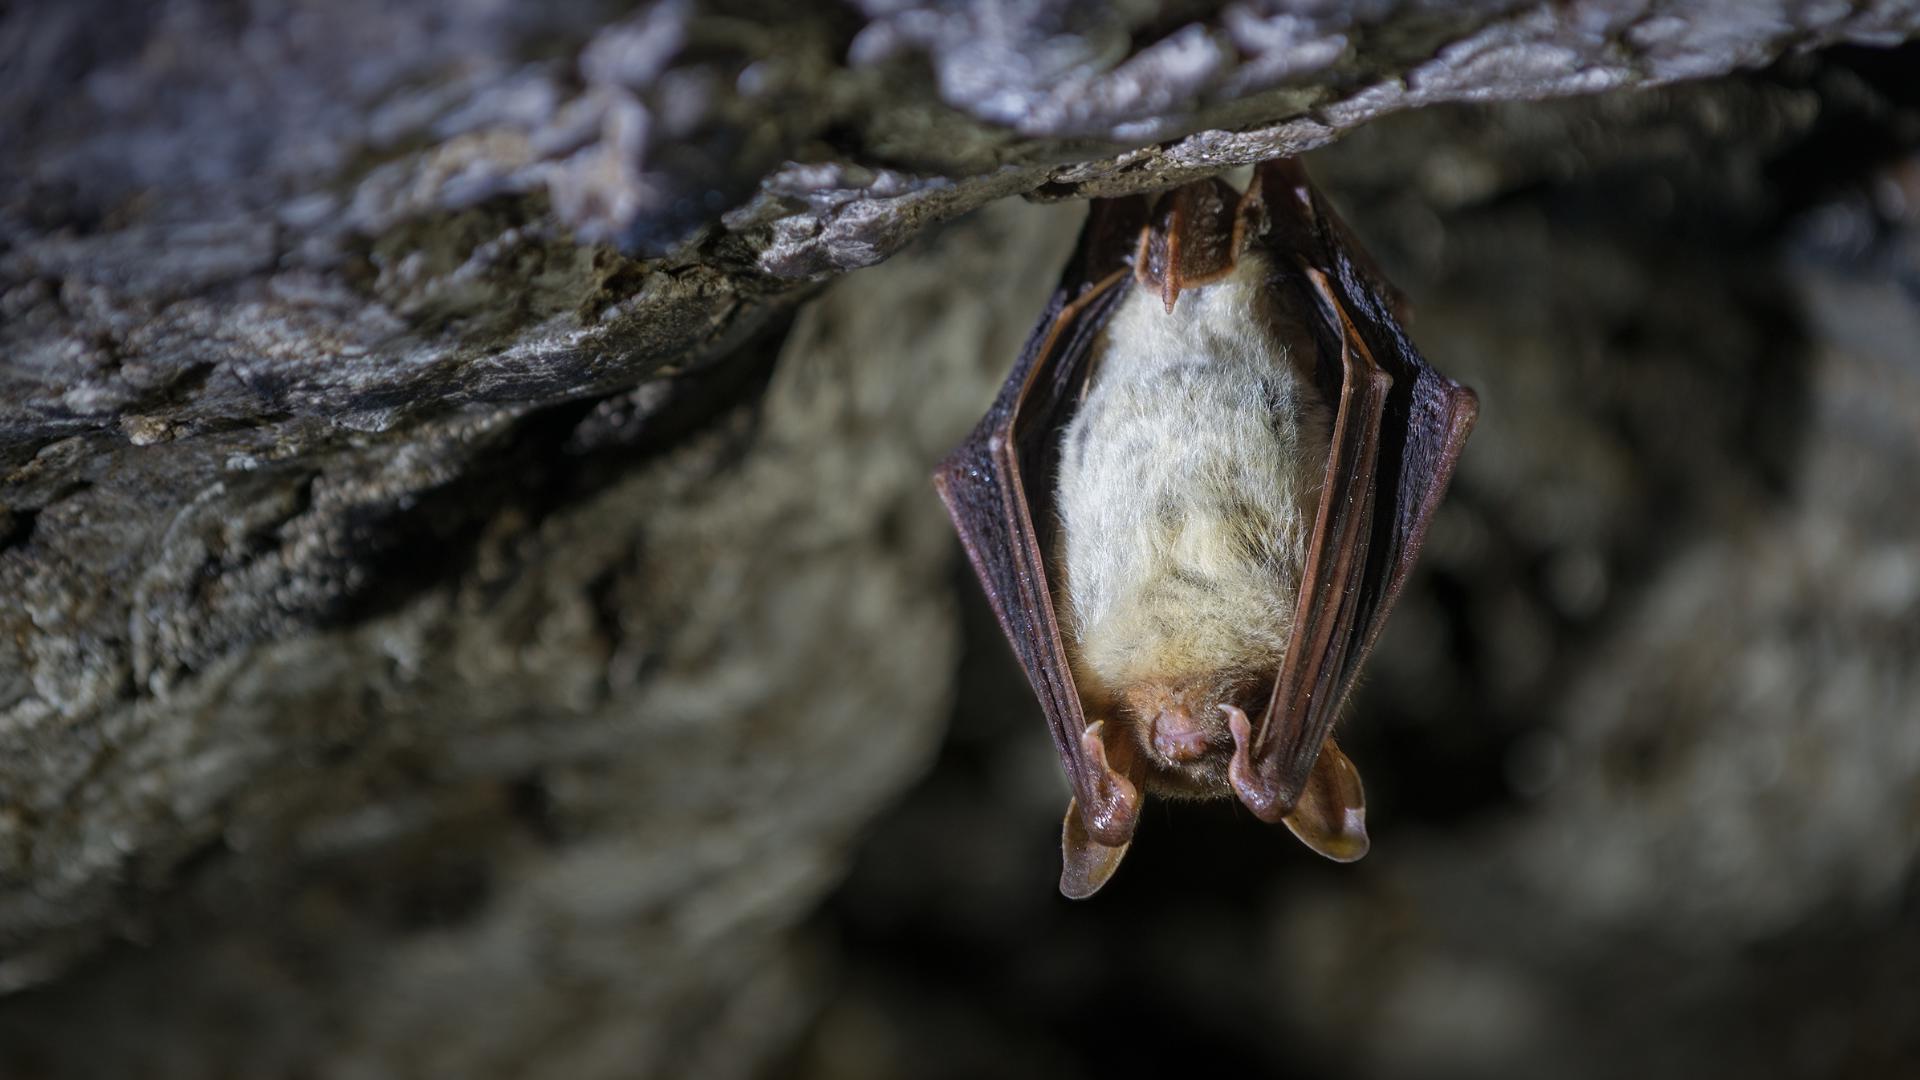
x=1181, y=739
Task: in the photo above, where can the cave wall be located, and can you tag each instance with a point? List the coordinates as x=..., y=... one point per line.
x=467, y=575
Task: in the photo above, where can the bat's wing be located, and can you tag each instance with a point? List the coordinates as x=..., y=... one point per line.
x=1397, y=436
x=1428, y=415
x=998, y=487
x=1270, y=769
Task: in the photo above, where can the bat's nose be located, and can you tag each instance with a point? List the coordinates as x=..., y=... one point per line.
x=1179, y=737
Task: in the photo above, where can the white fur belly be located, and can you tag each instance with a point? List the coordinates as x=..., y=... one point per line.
x=1188, y=486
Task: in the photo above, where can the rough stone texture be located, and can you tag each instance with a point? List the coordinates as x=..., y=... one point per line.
x=424, y=650
x=558, y=813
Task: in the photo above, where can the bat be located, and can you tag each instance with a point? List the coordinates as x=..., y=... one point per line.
x=1193, y=503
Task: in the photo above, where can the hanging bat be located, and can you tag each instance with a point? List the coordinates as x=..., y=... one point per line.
x=1194, y=501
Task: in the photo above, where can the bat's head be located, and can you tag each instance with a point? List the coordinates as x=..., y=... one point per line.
x=1193, y=739
x=1180, y=731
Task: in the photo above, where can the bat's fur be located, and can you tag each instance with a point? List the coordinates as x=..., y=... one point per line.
x=1188, y=486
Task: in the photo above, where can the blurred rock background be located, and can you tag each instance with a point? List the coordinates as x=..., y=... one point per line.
x=472, y=604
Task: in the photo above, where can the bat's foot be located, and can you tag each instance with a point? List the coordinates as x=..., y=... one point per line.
x=1256, y=782
x=1114, y=807
x=1328, y=814
x=1085, y=863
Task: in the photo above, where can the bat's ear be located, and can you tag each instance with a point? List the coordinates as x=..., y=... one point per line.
x=1086, y=863
x=1331, y=816
x=1193, y=238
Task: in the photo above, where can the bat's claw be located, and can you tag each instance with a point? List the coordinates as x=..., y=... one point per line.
x=1255, y=782
x=1113, y=808
x=1329, y=814
x=1095, y=836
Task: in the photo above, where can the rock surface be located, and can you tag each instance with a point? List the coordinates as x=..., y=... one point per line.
x=557, y=812
x=458, y=609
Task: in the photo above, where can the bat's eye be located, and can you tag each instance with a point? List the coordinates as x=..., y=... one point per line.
x=1179, y=738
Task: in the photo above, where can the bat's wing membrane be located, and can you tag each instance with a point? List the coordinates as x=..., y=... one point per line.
x=998, y=487
x=1398, y=434
x=1270, y=774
